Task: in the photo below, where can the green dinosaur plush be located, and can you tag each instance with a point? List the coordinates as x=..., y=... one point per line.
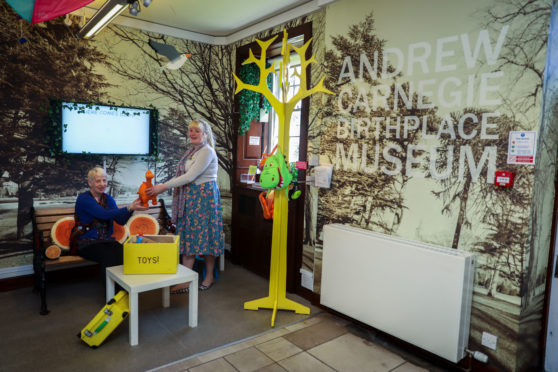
x=275, y=174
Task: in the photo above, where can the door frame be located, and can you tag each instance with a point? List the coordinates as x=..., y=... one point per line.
x=551, y=287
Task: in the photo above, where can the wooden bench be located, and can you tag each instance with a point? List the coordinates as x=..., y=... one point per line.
x=43, y=219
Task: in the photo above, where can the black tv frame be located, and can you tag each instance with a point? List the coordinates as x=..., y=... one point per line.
x=57, y=127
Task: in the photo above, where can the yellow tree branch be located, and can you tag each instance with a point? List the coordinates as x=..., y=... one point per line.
x=282, y=107
x=264, y=72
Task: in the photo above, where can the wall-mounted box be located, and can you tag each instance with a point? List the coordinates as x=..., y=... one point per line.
x=504, y=178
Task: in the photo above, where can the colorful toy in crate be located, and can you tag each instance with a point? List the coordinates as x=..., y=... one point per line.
x=143, y=187
x=142, y=239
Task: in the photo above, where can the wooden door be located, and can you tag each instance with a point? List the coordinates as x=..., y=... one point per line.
x=249, y=149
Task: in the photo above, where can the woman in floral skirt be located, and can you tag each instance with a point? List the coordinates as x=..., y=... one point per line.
x=196, y=203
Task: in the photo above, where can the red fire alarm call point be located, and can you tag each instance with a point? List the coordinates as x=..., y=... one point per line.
x=504, y=178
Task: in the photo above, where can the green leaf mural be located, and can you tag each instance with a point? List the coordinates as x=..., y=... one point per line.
x=251, y=102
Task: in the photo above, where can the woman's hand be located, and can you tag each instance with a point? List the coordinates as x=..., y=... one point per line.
x=137, y=206
x=155, y=190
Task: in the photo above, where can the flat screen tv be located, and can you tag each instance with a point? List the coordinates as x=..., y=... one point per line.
x=107, y=130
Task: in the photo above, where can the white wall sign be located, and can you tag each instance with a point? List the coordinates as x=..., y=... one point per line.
x=254, y=141
x=522, y=147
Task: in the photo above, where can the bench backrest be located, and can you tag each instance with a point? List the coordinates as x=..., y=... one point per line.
x=44, y=218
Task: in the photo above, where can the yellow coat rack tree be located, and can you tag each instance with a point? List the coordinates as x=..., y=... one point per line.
x=284, y=108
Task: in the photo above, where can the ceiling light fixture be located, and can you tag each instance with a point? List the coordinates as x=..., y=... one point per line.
x=134, y=8
x=110, y=10
x=67, y=20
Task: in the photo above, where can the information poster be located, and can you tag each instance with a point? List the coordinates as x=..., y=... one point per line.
x=254, y=141
x=522, y=147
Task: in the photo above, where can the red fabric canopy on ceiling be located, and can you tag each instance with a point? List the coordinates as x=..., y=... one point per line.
x=37, y=11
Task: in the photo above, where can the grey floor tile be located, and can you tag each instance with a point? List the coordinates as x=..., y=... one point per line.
x=220, y=365
x=180, y=366
x=248, y=360
x=316, y=334
x=278, y=349
x=408, y=367
x=272, y=368
x=304, y=362
x=351, y=353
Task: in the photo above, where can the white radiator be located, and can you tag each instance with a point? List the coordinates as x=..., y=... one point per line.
x=417, y=292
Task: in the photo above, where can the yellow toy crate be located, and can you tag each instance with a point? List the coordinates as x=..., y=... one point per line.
x=106, y=320
x=155, y=254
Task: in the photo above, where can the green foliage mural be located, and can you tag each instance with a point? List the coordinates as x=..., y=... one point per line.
x=250, y=102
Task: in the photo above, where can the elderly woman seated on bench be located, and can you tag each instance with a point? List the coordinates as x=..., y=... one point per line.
x=95, y=212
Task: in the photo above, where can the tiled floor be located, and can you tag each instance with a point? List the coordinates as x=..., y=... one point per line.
x=320, y=343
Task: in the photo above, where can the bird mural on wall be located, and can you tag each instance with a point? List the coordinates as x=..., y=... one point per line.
x=176, y=59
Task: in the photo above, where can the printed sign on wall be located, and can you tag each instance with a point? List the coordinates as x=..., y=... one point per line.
x=522, y=147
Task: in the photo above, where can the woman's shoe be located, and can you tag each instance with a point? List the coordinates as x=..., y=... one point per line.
x=205, y=287
x=180, y=290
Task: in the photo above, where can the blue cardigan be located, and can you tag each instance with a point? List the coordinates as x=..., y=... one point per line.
x=87, y=209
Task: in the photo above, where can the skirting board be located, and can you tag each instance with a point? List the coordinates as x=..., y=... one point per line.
x=10, y=272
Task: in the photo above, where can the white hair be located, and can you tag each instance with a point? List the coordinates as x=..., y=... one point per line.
x=97, y=171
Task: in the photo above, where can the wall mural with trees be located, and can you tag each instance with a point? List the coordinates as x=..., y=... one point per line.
x=419, y=123
x=424, y=105
x=202, y=88
x=38, y=63
x=46, y=61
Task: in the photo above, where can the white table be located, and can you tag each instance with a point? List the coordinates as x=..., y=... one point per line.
x=136, y=283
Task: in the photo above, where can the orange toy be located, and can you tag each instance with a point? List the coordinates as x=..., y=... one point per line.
x=267, y=199
x=144, y=186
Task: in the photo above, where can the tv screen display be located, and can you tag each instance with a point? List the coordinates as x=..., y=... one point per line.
x=105, y=129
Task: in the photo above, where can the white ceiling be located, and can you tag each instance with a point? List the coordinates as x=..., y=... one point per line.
x=211, y=21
